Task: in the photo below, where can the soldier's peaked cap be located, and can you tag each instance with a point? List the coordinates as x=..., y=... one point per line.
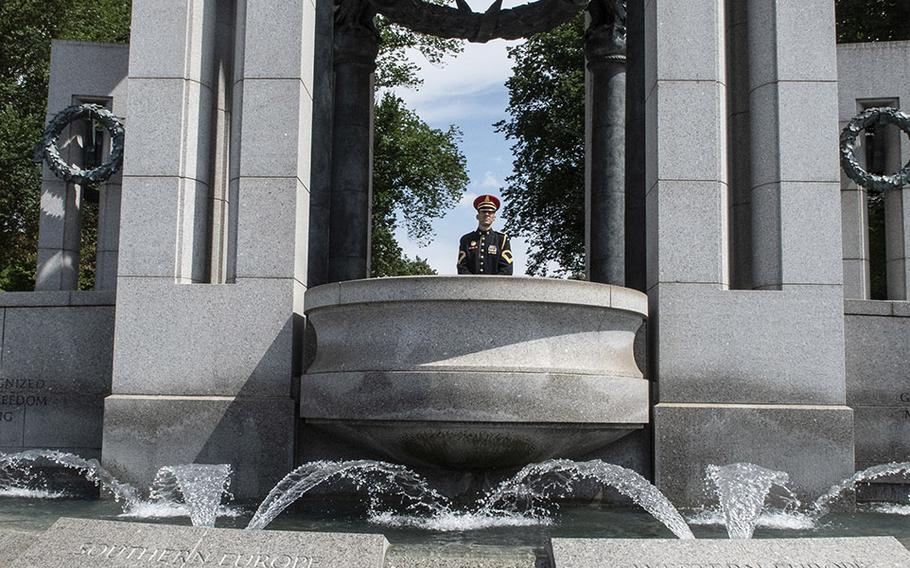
x=486, y=203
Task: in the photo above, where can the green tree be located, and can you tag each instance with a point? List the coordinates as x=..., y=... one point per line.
x=872, y=20
x=418, y=173
x=546, y=189
x=26, y=30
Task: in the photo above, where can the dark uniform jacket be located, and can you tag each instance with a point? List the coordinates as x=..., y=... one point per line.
x=485, y=252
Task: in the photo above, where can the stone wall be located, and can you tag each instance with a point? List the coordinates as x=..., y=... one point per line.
x=55, y=370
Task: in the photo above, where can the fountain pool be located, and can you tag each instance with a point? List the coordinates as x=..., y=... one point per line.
x=505, y=545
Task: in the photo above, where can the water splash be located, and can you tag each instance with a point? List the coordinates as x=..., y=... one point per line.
x=90, y=469
x=536, y=486
x=768, y=519
x=821, y=506
x=381, y=480
x=201, y=487
x=741, y=489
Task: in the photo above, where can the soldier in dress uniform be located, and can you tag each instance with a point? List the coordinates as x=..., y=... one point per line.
x=485, y=251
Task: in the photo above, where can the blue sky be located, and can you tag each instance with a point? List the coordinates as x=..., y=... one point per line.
x=468, y=91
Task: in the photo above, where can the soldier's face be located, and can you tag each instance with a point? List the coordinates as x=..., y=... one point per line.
x=485, y=219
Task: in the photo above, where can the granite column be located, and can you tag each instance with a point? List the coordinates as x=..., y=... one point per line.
x=356, y=45
x=605, y=46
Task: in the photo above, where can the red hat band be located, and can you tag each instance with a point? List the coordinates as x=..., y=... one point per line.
x=486, y=203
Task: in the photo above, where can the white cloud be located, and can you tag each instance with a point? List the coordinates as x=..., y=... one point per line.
x=490, y=181
x=467, y=199
x=448, y=88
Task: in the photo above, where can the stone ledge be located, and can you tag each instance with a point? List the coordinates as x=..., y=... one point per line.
x=886, y=308
x=57, y=298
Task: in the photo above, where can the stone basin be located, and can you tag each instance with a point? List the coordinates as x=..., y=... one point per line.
x=470, y=372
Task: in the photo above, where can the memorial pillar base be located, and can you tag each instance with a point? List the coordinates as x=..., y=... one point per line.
x=253, y=434
x=813, y=444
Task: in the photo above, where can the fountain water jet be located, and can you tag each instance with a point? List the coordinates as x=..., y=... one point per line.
x=741, y=489
x=555, y=479
x=521, y=499
x=201, y=486
x=374, y=476
x=820, y=507
x=88, y=468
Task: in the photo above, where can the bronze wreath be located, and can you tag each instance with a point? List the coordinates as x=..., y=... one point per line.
x=48, y=151
x=871, y=117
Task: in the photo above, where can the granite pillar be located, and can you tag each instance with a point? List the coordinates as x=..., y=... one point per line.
x=75, y=78
x=605, y=212
x=356, y=46
x=745, y=375
x=202, y=371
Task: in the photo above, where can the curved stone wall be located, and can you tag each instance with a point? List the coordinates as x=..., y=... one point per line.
x=463, y=371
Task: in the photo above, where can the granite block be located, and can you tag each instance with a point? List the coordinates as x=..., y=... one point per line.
x=153, y=212
x=57, y=270
x=876, y=358
x=861, y=307
x=766, y=237
x=254, y=435
x=808, y=131
x=64, y=420
x=12, y=422
x=192, y=235
x=853, y=224
x=765, y=135
x=175, y=39
x=81, y=543
x=782, y=33
x=883, y=432
x=267, y=226
x=691, y=131
x=542, y=338
x=87, y=69
x=813, y=444
x=691, y=230
x=59, y=218
x=748, y=346
x=810, y=233
x=871, y=71
x=883, y=552
x=272, y=124
x=57, y=350
x=690, y=40
x=496, y=288
x=13, y=544
x=57, y=298
x=170, y=129
x=276, y=34
x=901, y=308
x=216, y=339
x=487, y=396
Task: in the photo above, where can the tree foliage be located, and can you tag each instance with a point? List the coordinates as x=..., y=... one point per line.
x=546, y=189
x=26, y=30
x=872, y=20
x=418, y=172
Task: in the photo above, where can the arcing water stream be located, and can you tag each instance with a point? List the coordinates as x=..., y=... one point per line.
x=399, y=497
